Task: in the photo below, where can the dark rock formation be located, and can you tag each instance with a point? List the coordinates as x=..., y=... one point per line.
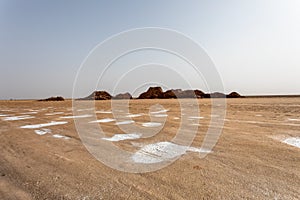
x=171, y=94
x=215, y=95
x=58, y=98
x=178, y=93
x=98, y=95
x=152, y=93
x=102, y=95
x=123, y=96
x=199, y=93
x=234, y=95
x=157, y=93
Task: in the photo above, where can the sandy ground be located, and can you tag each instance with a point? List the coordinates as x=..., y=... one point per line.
x=250, y=161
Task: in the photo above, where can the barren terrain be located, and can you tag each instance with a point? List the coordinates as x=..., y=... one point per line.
x=252, y=159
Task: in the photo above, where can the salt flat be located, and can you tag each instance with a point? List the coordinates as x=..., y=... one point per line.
x=256, y=157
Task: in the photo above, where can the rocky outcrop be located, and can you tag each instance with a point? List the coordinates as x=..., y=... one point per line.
x=171, y=94
x=157, y=93
x=102, y=95
x=215, y=95
x=123, y=96
x=152, y=93
x=199, y=93
x=58, y=98
x=178, y=93
x=98, y=95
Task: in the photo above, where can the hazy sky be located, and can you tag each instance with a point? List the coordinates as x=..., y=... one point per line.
x=255, y=44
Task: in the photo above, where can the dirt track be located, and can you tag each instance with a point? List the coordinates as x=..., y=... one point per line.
x=248, y=162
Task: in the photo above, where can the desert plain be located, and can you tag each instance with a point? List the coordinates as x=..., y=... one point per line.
x=257, y=156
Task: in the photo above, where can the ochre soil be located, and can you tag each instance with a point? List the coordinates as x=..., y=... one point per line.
x=248, y=162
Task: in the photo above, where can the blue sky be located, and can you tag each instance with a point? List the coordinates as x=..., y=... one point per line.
x=254, y=44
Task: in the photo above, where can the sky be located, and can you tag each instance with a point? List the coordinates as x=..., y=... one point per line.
x=254, y=44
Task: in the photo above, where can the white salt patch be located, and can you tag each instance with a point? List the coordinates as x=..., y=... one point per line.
x=160, y=111
x=161, y=115
x=119, y=111
x=176, y=118
x=196, y=117
x=125, y=122
x=290, y=119
x=137, y=144
x=195, y=124
x=2, y=115
x=198, y=150
x=151, y=124
x=260, y=122
x=258, y=115
x=54, y=113
x=60, y=136
x=14, y=118
x=119, y=137
x=103, y=112
x=86, y=109
x=43, y=125
x=27, y=113
x=103, y=120
x=42, y=131
x=68, y=113
x=76, y=116
x=294, y=141
x=134, y=115
x=31, y=110
x=162, y=151
x=158, y=152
